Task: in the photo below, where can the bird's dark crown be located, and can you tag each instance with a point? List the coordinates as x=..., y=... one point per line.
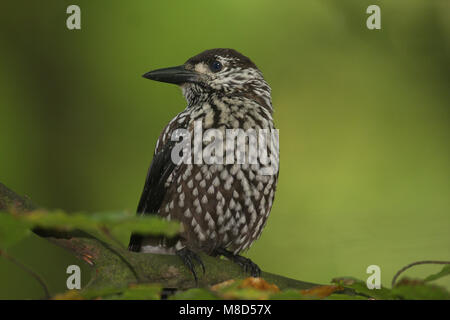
x=209, y=56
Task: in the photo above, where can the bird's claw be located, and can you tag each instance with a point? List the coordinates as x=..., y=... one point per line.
x=245, y=263
x=188, y=257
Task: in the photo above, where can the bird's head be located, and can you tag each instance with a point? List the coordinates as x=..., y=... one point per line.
x=217, y=72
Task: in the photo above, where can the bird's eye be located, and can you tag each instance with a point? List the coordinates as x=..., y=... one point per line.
x=215, y=66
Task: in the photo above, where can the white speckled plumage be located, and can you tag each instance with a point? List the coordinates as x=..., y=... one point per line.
x=220, y=205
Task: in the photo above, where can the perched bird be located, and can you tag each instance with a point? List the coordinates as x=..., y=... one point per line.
x=223, y=207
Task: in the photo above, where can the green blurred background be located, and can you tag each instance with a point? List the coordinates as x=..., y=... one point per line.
x=363, y=118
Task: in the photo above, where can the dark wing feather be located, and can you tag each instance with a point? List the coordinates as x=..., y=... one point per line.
x=154, y=189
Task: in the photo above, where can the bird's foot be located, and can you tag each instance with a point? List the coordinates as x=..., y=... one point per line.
x=189, y=257
x=245, y=263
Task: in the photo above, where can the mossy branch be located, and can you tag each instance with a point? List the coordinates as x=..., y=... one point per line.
x=117, y=267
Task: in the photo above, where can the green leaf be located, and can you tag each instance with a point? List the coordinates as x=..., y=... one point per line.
x=145, y=225
x=246, y=294
x=133, y=292
x=12, y=230
x=194, y=294
x=444, y=272
x=60, y=220
x=289, y=294
x=101, y=292
x=361, y=288
x=142, y=292
x=118, y=222
x=418, y=290
x=336, y=296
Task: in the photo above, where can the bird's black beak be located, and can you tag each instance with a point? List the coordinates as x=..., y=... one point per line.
x=176, y=75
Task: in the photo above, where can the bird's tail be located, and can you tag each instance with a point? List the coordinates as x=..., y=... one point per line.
x=135, y=243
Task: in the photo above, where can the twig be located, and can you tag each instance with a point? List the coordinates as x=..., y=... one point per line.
x=29, y=271
x=415, y=264
x=121, y=247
